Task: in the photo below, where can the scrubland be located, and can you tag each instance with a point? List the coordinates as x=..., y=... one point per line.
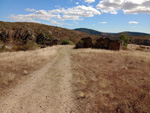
x=15, y=66
x=112, y=81
x=100, y=81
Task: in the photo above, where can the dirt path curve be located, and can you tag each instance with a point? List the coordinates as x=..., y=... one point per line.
x=47, y=90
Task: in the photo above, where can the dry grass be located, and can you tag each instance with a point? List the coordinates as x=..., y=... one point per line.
x=112, y=81
x=16, y=65
x=143, y=48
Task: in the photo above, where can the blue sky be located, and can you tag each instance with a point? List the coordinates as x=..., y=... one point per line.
x=101, y=15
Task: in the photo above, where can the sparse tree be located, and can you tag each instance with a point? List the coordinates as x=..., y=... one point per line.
x=124, y=39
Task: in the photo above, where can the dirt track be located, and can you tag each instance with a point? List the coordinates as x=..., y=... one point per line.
x=47, y=90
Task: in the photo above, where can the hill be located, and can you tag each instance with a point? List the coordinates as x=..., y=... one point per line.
x=89, y=31
x=135, y=37
x=23, y=33
x=136, y=33
x=94, y=32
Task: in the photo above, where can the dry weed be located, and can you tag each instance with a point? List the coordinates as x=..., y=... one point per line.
x=15, y=65
x=116, y=81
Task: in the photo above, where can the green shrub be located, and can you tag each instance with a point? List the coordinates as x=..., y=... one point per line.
x=65, y=42
x=124, y=39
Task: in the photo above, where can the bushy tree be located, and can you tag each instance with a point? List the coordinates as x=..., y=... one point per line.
x=124, y=39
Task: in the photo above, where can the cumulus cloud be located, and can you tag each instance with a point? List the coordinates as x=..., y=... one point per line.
x=89, y=1
x=77, y=3
x=23, y=18
x=81, y=11
x=103, y=22
x=31, y=10
x=127, y=6
x=41, y=14
x=75, y=13
x=133, y=22
x=54, y=22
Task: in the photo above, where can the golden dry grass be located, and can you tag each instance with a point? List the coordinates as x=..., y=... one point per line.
x=112, y=81
x=16, y=65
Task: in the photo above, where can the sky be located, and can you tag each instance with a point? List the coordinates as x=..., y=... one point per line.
x=102, y=15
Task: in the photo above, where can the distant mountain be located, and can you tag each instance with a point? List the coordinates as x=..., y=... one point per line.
x=94, y=32
x=89, y=31
x=136, y=33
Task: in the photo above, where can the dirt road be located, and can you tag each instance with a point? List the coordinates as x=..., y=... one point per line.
x=47, y=90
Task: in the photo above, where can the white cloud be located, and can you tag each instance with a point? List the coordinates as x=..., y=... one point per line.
x=133, y=22
x=31, y=10
x=23, y=18
x=90, y=1
x=127, y=6
x=54, y=22
x=71, y=17
x=103, y=22
x=77, y=3
x=75, y=13
x=81, y=11
x=37, y=14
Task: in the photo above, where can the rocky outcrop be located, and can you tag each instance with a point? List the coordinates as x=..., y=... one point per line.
x=46, y=39
x=22, y=36
x=101, y=43
x=85, y=43
x=80, y=44
x=115, y=45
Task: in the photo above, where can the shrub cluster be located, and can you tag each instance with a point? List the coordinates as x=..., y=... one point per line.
x=29, y=46
x=65, y=42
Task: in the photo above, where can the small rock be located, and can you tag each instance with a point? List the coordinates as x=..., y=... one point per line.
x=25, y=72
x=124, y=68
x=82, y=95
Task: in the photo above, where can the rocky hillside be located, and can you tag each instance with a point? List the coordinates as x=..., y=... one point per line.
x=21, y=33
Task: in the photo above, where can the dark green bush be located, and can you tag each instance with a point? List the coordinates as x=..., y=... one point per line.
x=65, y=42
